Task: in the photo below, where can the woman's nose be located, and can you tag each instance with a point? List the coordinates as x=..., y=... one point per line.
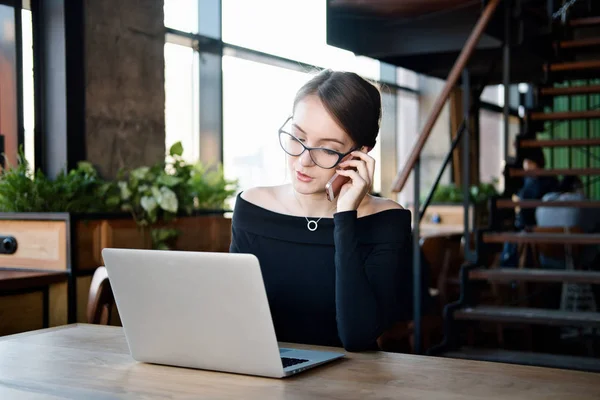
x=305, y=159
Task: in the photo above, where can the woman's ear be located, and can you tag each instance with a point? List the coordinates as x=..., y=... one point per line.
x=366, y=149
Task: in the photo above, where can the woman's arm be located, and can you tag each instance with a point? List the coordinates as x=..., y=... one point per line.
x=367, y=290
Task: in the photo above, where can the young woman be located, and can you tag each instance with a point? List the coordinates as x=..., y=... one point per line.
x=336, y=272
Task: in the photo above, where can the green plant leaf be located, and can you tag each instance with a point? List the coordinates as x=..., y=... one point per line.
x=168, y=180
x=113, y=202
x=148, y=203
x=168, y=200
x=140, y=173
x=176, y=149
x=125, y=191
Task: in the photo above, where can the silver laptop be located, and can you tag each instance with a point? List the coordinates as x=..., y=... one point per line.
x=201, y=310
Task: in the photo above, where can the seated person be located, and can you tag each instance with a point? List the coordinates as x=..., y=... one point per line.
x=587, y=219
x=335, y=272
x=534, y=188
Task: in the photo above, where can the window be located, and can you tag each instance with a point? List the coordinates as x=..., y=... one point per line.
x=28, y=90
x=182, y=91
x=493, y=94
x=294, y=29
x=407, y=131
x=15, y=117
x=257, y=98
x=407, y=118
x=414, y=112
x=182, y=15
x=258, y=85
x=491, y=132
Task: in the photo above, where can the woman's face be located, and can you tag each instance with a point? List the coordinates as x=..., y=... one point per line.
x=314, y=127
x=529, y=165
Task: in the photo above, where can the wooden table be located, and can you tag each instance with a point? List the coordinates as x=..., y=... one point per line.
x=93, y=362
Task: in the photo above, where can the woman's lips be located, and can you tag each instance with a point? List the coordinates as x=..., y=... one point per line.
x=302, y=177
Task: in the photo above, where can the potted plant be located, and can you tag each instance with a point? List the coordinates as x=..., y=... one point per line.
x=63, y=224
x=447, y=201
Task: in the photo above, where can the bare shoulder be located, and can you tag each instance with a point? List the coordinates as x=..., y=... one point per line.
x=258, y=195
x=375, y=205
x=264, y=196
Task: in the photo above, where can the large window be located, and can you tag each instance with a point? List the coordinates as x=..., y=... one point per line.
x=28, y=89
x=491, y=128
x=268, y=49
x=16, y=84
x=182, y=109
x=257, y=98
x=294, y=29
x=182, y=15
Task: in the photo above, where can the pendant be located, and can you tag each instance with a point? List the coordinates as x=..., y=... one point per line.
x=312, y=226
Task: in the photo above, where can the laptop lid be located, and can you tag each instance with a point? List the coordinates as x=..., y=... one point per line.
x=193, y=309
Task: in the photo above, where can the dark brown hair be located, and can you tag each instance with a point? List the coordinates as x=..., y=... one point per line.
x=352, y=101
x=536, y=155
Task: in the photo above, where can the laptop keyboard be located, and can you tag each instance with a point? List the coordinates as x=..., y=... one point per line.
x=288, y=362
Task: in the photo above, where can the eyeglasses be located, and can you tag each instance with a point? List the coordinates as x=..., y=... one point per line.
x=324, y=158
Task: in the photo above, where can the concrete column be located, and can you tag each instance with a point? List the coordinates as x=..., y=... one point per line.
x=124, y=83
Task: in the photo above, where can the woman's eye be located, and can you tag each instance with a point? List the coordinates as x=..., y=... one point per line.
x=330, y=152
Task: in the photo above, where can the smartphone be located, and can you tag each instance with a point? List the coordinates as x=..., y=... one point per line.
x=334, y=185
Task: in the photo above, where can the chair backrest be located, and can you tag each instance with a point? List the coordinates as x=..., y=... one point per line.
x=553, y=250
x=100, y=299
x=441, y=251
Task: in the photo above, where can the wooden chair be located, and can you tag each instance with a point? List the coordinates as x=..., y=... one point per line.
x=100, y=299
x=443, y=254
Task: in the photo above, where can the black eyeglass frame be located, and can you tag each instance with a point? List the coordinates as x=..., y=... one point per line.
x=340, y=155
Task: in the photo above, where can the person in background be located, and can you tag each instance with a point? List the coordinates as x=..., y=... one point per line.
x=534, y=188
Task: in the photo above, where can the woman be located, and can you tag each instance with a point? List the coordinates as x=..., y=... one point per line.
x=333, y=271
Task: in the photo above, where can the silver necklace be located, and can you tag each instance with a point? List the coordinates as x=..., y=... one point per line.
x=312, y=225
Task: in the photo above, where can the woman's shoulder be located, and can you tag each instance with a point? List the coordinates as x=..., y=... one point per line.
x=258, y=194
x=383, y=220
x=375, y=205
x=265, y=197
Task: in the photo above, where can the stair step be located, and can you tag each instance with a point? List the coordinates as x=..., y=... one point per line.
x=536, y=316
x=574, y=66
x=571, y=90
x=508, y=203
x=565, y=115
x=559, y=143
x=534, y=275
x=577, y=363
x=578, y=43
x=588, y=21
x=555, y=172
x=541, y=238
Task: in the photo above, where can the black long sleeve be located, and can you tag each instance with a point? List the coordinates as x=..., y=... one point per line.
x=341, y=285
x=366, y=289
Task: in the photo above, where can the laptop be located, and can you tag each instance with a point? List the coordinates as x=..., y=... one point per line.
x=201, y=310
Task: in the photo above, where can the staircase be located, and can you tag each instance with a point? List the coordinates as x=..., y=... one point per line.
x=565, y=123
x=479, y=43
